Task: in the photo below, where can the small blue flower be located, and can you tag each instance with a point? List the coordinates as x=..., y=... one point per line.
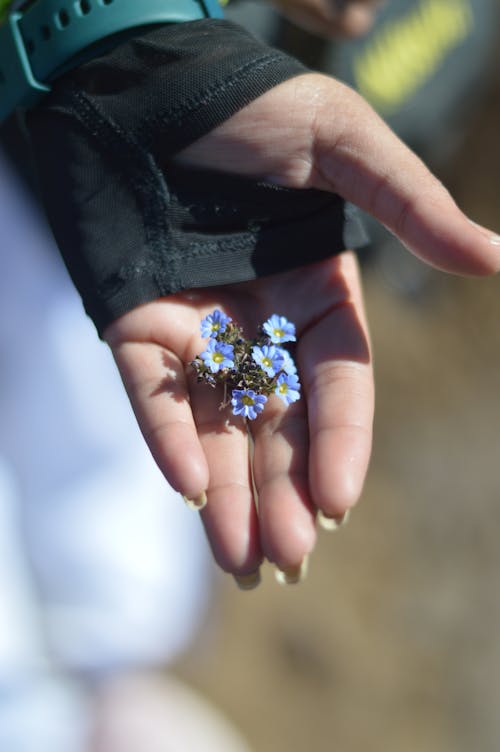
x=287, y=388
x=269, y=358
x=288, y=364
x=215, y=323
x=218, y=356
x=248, y=403
x=279, y=329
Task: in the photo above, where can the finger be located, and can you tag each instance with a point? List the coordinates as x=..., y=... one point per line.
x=331, y=139
x=230, y=516
x=286, y=514
x=355, y=18
x=154, y=379
x=360, y=158
x=335, y=362
x=330, y=18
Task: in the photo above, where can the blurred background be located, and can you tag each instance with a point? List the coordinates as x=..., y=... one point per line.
x=391, y=642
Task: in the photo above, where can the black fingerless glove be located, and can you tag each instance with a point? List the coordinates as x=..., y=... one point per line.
x=130, y=227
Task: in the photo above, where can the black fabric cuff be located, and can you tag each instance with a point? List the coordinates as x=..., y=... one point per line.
x=168, y=87
x=130, y=227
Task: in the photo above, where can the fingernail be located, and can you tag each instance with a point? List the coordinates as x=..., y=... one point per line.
x=197, y=503
x=332, y=523
x=248, y=581
x=492, y=237
x=292, y=575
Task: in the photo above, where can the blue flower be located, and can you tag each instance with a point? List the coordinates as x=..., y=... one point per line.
x=269, y=358
x=248, y=403
x=215, y=323
x=279, y=329
x=287, y=388
x=288, y=364
x=218, y=356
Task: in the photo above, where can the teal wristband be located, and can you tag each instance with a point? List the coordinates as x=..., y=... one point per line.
x=53, y=36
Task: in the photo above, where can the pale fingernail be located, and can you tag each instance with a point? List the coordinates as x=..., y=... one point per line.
x=332, y=523
x=197, y=503
x=248, y=581
x=292, y=575
x=492, y=237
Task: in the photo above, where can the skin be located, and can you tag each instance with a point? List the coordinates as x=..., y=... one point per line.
x=331, y=18
x=311, y=131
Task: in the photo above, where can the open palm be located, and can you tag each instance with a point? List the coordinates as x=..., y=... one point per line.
x=308, y=132
x=313, y=454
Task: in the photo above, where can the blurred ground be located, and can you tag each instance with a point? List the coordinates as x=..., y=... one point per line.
x=391, y=644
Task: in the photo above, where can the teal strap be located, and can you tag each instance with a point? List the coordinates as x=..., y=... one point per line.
x=53, y=36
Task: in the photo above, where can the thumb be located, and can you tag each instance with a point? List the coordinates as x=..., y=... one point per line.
x=365, y=162
x=313, y=131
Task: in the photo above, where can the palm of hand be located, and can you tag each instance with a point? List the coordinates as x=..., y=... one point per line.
x=313, y=454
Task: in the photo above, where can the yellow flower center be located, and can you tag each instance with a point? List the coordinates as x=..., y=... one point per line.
x=267, y=362
x=283, y=388
x=247, y=400
x=278, y=333
x=217, y=357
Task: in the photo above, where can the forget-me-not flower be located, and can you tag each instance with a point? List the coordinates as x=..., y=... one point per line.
x=250, y=370
x=279, y=329
x=288, y=364
x=287, y=388
x=247, y=403
x=215, y=323
x=218, y=356
x=269, y=358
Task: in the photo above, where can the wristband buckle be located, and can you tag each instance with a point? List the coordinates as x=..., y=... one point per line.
x=18, y=85
x=53, y=36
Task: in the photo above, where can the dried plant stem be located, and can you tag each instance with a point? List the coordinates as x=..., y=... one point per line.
x=251, y=452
